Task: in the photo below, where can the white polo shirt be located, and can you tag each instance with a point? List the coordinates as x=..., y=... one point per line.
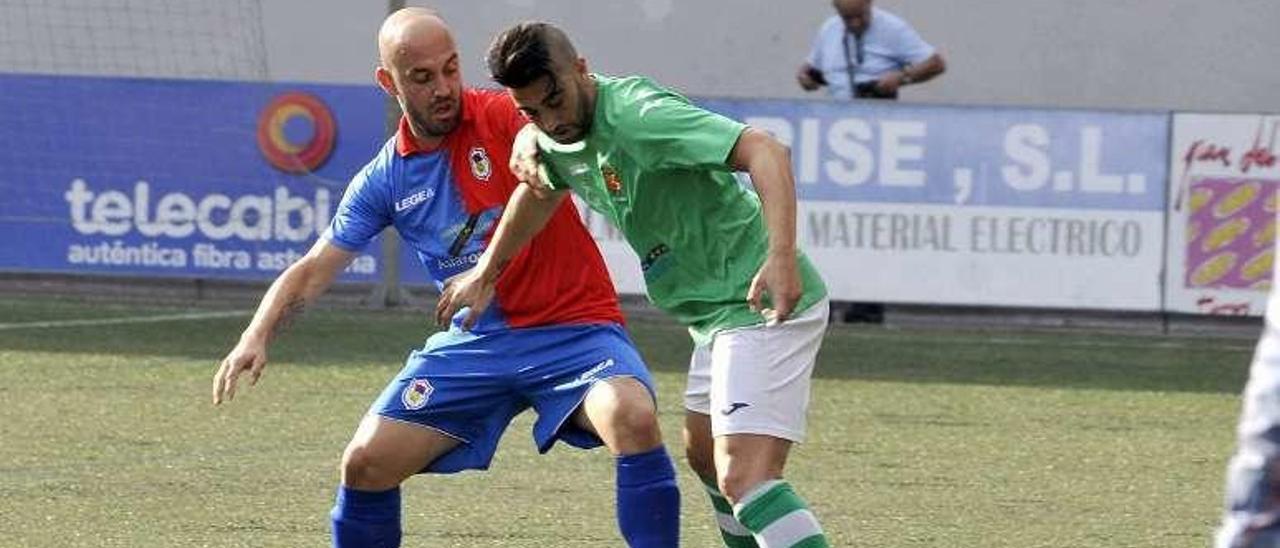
x=888, y=44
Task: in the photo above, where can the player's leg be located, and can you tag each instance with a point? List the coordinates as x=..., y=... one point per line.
x=593, y=388
x=1252, y=517
x=381, y=455
x=760, y=379
x=621, y=411
x=700, y=448
x=749, y=468
x=444, y=412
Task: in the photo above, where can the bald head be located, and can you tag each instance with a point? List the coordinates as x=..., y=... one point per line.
x=418, y=66
x=851, y=5
x=412, y=31
x=855, y=13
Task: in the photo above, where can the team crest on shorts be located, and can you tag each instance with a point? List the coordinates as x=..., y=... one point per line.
x=416, y=394
x=481, y=167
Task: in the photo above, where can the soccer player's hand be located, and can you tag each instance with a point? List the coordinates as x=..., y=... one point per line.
x=524, y=162
x=249, y=356
x=469, y=290
x=779, y=277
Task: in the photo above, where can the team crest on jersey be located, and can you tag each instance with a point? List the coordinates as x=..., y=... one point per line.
x=612, y=180
x=415, y=395
x=481, y=167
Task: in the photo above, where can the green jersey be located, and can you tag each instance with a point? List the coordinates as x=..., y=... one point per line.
x=657, y=167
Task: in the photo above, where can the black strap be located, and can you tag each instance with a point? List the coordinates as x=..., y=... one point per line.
x=464, y=235
x=849, y=59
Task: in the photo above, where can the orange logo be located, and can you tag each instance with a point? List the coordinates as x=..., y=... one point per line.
x=289, y=156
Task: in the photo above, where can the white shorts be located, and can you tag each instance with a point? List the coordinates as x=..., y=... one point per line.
x=755, y=380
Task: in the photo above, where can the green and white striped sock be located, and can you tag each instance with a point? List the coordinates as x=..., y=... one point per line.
x=779, y=517
x=734, y=534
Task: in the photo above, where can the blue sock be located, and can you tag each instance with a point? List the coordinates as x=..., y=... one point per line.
x=366, y=519
x=648, y=500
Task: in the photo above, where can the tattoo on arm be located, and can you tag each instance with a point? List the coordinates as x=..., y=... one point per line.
x=290, y=314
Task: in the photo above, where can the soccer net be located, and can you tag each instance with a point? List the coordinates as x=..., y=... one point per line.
x=146, y=137
x=220, y=39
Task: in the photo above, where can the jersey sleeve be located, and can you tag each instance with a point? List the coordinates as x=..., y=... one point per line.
x=551, y=175
x=662, y=130
x=364, y=210
x=553, y=158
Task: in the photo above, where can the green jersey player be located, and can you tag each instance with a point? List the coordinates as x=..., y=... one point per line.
x=715, y=256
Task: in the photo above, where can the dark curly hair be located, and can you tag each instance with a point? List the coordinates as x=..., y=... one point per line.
x=526, y=52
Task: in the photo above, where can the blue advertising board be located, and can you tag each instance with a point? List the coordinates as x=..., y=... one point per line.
x=983, y=206
x=876, y=152
x=898, y=203
x=177, y=178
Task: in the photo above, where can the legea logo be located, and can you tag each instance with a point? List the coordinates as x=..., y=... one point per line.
x=280, y=126
x=279, y=216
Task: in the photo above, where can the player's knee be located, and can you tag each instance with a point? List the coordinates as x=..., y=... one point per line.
x=739, y=476
x=623, y=414
x=360, y=469
x=735, y=483
x=730, y=484
x=701, y=461
x=638, y=424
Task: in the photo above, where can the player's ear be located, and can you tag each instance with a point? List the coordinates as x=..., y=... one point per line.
x=580, y=66
x=383, y=77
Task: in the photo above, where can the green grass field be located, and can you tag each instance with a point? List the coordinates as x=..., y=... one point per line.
x=917, y=438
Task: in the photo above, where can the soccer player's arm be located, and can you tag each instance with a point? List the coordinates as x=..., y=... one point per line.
x=298, y=287
x=291, y=293
x=526, y=214
x=531, y=205
x=528, y=210
x=672, y=133
x=769, y=163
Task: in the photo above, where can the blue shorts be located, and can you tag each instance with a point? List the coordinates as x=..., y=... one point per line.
x=469, y=386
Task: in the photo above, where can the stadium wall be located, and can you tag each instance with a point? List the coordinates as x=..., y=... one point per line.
x=1167, y=54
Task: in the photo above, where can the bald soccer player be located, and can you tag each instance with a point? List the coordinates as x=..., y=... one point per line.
x=553, y=341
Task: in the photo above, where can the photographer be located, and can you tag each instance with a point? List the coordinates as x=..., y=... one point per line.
x=864, y=52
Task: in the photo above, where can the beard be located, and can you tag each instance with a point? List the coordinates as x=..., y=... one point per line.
x=572, y=133
x=426, y=121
